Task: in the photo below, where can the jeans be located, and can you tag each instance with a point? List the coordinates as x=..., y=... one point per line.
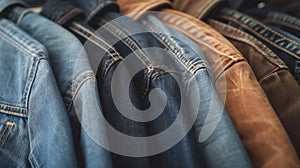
x=35, y=129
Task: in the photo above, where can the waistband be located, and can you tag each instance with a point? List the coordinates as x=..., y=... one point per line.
x=273, y=37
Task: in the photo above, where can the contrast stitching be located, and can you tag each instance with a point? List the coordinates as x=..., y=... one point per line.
x=277, y=33
x=283, y=18
x=67, y=14
x=161, y=35
x=17, y=46
x=74, y=90
x=134, y=52
x=249, y=40
x=7, y=125
x=262, y=25
x=18, y=42
x=212, y=41
x=170, y=41
x=173, y=53
x=250, y=29
x=128, y=37
x=108, y=66
x=282, y=23
x=146, y=83
x=15, y=107
x=3, y=132
x=80, y=78
x=94, y=42
x=97, y=37
x=205, y=39
x=94, y=35
x=156, y=74
x=257, y=48
x=13, y=113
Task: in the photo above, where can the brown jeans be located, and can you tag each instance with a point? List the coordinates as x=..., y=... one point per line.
x=258, y=125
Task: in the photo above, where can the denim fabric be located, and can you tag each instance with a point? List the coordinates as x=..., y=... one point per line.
x=35, y=2
x=151, y=77
x=282, y=89
x=271, y=15
x=287, y=49
x=227, y=63
x=189, y=54
x=35, y=129
x=286, y=33
x=76, y=81
x=4, y=4
x=285, y=22
x=94, y=8
x=246, y=105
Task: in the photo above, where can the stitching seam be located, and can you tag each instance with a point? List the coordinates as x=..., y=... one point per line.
x=66, y=15
x=11, y=125
x=250, y=29
x=93, y=41
x=13, y=113
x=249, y=40
x=97, y=37
x=258, y=23
x=133, y=43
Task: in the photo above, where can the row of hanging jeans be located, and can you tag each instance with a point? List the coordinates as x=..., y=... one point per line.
x=152, y=83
